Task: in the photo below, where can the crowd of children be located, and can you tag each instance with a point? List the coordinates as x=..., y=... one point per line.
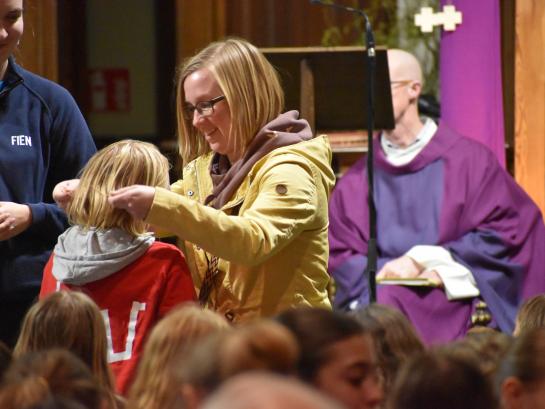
x=302, y=358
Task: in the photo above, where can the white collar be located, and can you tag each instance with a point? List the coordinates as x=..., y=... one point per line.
x=398, y=155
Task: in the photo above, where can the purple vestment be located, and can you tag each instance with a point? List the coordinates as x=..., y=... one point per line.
x=453, y=194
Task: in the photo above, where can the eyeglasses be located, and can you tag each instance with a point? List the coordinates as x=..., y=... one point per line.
x=396, y=83
x=204, y=108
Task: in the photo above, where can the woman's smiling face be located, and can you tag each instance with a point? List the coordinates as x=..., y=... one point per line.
x=201, y=86
x=11, y=27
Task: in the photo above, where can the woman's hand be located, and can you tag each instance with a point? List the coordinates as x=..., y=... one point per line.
x=15, y=218
x=64, y=192
x=136, y=200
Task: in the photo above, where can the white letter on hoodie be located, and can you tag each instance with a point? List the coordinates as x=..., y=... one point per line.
x=131, y=333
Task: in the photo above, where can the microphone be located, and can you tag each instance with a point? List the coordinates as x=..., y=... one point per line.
x=372, y=249
x=369, y=36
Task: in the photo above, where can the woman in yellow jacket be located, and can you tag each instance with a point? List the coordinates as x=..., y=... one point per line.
x=251, y=210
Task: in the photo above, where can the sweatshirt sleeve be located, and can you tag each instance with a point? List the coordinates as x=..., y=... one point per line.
x=71, y=146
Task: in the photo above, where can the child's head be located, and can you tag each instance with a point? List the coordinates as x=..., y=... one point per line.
x=531, y=314
x=69, y=320
x=485, y=346
x=170, y=340
x=439, y=379
x=120, y=164
x=337, y=355
x=264, y=345
x=53, y=378
x=522, y=374
x=395, y=338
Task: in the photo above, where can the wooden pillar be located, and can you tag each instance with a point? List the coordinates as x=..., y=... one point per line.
x=530, y=98
x=38, y=50
x=197, y=24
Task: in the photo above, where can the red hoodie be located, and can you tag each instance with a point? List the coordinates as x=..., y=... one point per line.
x=152, y=279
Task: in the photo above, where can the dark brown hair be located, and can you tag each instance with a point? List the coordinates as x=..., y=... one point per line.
x=56, y=375
x=531, y=314
x=525, y=360
x=316, y=330
x=394, y=337
x=436, y=379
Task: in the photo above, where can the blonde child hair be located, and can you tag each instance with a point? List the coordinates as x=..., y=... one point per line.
x=264, y=345
x=120, y=164
x=154, y=387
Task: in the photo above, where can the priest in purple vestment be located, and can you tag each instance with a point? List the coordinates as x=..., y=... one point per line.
x=446, y=211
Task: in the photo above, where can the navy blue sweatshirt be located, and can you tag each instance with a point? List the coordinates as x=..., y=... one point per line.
x=43, y=140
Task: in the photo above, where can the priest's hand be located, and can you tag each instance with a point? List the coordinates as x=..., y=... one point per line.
x=433, y=277
x=135, y=199
x=401, y=267
x=15, y=218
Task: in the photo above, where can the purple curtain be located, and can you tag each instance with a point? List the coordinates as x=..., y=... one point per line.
x=470, y=74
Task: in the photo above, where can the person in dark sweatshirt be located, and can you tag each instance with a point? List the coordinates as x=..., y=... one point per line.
x=43, y=140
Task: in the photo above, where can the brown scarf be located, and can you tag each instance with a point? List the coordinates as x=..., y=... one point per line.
x=287, y=129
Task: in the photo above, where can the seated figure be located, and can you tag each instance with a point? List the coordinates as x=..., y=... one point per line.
x=446, y=211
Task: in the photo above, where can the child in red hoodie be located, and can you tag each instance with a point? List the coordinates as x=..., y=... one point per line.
x=111, y=257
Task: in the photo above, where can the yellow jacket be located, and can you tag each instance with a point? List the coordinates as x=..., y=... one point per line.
x=273, y=254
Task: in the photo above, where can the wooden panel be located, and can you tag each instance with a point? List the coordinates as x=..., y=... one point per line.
x=281, y=23
x=39, y=48
x=265, y=23
x=198, y=23
x=72, y=50
x=530, y=98
x=165, y=58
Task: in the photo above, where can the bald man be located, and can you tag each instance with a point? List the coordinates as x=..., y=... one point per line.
x=447, y=212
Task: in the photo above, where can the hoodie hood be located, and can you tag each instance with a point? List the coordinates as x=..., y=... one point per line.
x=318, y=152
x=285, y=130
x=82, y=256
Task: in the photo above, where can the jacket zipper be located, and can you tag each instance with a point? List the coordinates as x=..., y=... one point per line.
x=8, y=87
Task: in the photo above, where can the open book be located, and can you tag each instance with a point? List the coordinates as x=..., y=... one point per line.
x=416, y=281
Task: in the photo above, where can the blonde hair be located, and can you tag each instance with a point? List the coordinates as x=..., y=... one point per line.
x=154, y=387
x=120, y=164
x=251, y=87
x=69, y=320
x=264, y=345
x=260, y=346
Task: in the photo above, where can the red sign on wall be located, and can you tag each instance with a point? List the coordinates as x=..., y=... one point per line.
x=110, y=90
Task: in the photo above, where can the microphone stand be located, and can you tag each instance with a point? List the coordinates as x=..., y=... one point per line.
x=372, y=251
